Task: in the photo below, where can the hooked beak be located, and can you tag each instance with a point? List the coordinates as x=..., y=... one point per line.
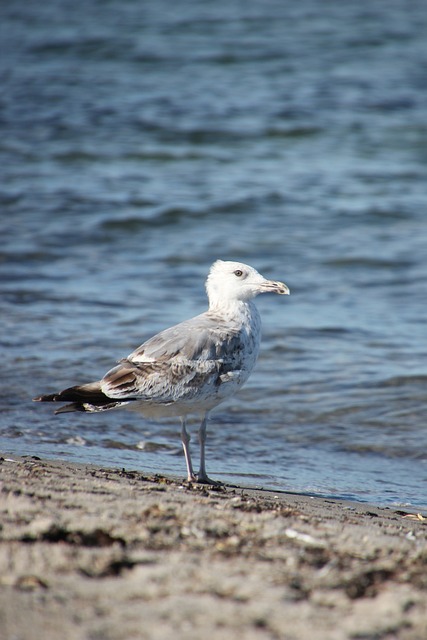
x=274, y=287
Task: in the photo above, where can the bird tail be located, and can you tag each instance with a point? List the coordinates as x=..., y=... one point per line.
x=86, y=397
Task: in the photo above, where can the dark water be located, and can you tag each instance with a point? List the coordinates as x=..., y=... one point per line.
x=139, y=141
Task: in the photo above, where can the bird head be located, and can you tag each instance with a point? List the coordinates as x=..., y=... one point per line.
x=234, y=281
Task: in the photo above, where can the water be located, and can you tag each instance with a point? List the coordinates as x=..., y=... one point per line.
x=139, y=142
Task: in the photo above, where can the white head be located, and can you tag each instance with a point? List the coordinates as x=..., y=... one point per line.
x=230, y=282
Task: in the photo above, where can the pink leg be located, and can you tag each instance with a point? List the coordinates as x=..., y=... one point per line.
x=202, y=476
x=185, y=439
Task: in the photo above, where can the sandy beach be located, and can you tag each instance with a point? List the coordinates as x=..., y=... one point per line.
x=110, y=554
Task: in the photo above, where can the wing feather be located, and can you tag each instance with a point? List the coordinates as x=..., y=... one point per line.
x=178, y=363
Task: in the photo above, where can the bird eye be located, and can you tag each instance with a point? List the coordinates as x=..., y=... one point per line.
x=238, y=273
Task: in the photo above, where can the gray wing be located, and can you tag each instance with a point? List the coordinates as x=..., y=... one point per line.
x=178, y=363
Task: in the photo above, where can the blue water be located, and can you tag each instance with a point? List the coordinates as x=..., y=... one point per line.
x=140, y=141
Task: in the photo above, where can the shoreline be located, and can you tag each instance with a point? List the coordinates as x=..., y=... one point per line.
x=89, y=552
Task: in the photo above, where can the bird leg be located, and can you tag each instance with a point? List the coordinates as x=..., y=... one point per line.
x=202, y=476
x=185, y=439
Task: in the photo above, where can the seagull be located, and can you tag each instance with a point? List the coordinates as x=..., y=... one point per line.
x=191, y=367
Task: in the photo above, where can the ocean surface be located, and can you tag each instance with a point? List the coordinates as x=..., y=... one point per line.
x=142, y=140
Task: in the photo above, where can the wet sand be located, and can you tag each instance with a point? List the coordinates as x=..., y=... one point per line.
x=105, y=554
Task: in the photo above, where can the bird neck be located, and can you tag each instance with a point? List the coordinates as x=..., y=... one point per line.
x=234, y=309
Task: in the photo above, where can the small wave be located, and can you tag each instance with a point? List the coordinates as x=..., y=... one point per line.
x=76, y=440
x=366, y=262
x=166, y=217
x=404, y=381
x=144, y=445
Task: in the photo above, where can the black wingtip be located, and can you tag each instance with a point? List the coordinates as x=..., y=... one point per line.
x=69, y=408
x=48, y=398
